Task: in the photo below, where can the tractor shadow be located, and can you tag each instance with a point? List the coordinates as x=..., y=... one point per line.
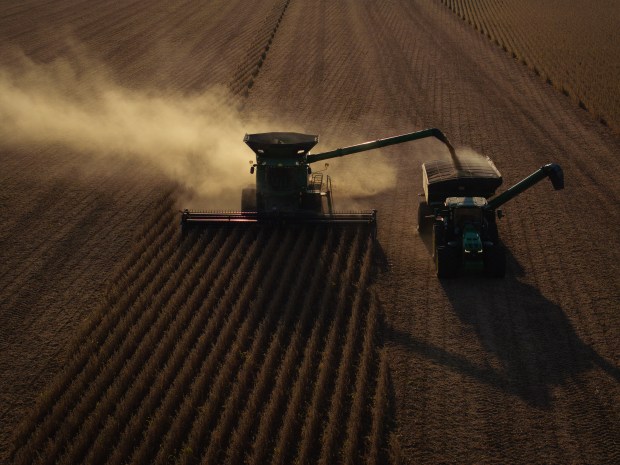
x=532, y=342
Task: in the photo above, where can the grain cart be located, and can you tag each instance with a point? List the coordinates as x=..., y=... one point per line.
x=286, y=189
x=464, y=213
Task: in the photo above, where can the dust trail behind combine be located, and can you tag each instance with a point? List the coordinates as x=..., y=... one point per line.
x=193, y=139
x=71, y=102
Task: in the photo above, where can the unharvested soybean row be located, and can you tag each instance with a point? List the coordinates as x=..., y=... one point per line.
x=251, y=345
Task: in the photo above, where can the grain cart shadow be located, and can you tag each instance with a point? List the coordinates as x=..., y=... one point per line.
x=530, y=337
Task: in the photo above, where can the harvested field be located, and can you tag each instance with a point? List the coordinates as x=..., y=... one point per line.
x=122, y=342
x=572, y=45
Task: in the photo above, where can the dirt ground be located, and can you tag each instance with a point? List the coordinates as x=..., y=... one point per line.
x=520, y=370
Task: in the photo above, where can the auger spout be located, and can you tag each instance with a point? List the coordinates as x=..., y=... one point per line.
x=552, y=170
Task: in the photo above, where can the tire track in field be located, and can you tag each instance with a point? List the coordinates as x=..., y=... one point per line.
x=247, y=72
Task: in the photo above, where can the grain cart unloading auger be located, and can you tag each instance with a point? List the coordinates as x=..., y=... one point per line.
x=286, y=189
x=458, y=206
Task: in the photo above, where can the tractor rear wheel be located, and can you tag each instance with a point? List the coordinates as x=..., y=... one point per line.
x=495, y=261
x=439, y=235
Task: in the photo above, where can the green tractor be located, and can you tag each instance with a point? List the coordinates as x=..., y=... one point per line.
x=287, y=191
x=461, y=211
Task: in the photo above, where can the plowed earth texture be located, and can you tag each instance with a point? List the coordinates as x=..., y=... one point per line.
x=121, y=341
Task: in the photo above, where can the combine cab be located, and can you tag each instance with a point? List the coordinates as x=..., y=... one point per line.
x=287, y=191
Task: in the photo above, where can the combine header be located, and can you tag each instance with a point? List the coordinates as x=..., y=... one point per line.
x=287, y=191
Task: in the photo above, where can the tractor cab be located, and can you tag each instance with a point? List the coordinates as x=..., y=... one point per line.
x=465, y=211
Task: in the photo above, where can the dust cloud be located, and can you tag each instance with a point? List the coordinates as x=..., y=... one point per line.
x=72, y=102
x=195, y=140
x=357, y=179
x=468, y=155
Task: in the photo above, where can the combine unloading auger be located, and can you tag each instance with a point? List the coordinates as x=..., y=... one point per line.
x=286, y=190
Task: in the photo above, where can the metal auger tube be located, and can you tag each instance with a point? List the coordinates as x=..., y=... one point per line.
x=432, y=132
x=552, y=170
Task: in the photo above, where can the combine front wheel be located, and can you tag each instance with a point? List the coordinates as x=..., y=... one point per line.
x=447, y=261
x=248, y=199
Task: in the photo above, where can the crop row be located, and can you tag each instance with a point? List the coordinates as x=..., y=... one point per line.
x=249, y=345
x=549, y=39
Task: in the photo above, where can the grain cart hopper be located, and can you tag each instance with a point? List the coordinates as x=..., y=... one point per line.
x=287, y=191
x=465, y=177
x=464, y=228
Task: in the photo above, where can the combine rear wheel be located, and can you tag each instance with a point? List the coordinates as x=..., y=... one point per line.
x=312, y=202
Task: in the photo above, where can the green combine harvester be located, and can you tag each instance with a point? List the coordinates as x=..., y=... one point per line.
x=287, y=191
x=460, y=210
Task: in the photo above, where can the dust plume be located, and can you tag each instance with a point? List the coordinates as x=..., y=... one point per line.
x=195, y=140
x=468, y=155
x=72, y=102
x=359, y=178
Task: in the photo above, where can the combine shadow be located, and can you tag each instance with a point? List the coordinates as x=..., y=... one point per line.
x=532, y=339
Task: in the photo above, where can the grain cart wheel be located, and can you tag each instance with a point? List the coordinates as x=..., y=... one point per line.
x=495, y=261
x=424, y=223
x=447, y=261
x=439, y=233
x=248, y=199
